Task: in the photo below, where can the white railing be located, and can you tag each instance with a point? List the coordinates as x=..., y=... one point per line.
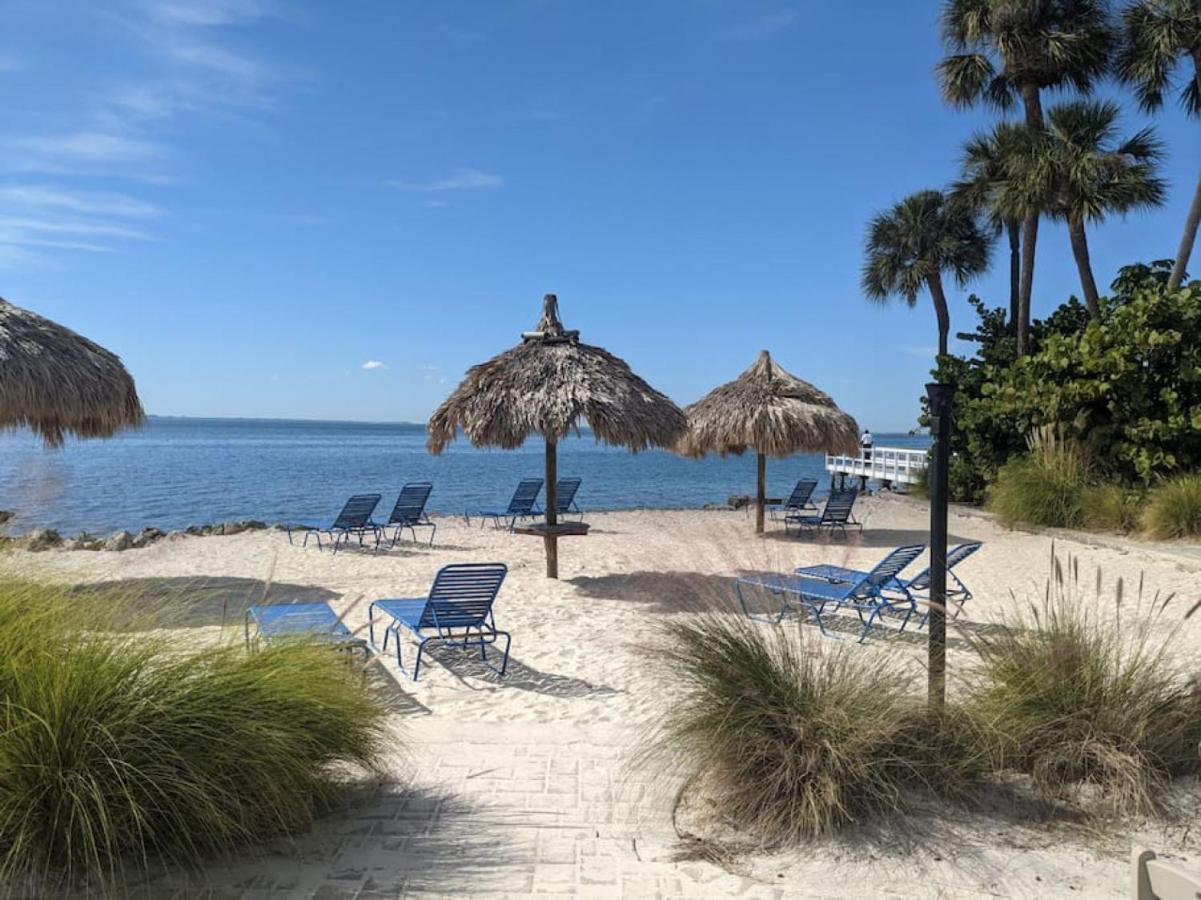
x=892, y=464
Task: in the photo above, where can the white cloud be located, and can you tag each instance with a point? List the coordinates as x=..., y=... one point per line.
x=464, y=180
x=206, y=13
x=374, y=364
x=54, y=226
x=101, y=204
x=90, y=147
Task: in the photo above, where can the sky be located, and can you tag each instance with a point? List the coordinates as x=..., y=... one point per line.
x=332, y=210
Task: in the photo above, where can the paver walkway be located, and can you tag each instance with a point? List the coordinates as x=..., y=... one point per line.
x=494, y=810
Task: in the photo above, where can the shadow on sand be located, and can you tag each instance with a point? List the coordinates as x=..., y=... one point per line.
x=203, y=601
x=466, y=664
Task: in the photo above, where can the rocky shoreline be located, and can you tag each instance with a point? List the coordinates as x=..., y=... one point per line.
x=42, y=539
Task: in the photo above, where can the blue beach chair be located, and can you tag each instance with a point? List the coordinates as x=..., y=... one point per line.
x=869, y=594
x=316, y=621
x=565, y=491
x=799, y=501
x=836, y=515
x=520, y=507
x=918, y=586
x=409, y=512
x=355, y=518
x=461, y=598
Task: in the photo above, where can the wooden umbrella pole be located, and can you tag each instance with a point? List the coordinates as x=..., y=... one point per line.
x=761, y=492
x=552, y=509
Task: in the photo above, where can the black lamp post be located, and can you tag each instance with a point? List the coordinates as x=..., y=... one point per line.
x=941, y=397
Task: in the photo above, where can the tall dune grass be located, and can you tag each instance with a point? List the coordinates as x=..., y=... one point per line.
x=1174, y=508
x=789, y=744
x=1087, y=701
x=1046, y=487
x=117, y=748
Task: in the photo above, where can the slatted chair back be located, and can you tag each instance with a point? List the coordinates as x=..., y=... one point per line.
x=524, y=497
x=838, y=507
x=462, y=595
x=801, y=494
x=1157, y=879
x=565, y=491
x=357, y=512
x=955, y=556
x=887, y=569
x=410, y=505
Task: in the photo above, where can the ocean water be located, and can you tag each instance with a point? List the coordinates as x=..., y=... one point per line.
x=178, y=472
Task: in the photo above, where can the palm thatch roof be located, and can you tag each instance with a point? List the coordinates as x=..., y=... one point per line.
x=546, y=385
x=771, y=411
x=57, y=382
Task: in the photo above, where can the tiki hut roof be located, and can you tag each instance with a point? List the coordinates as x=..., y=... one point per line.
x=56, y=382
x=770, y=411
x=545, y=385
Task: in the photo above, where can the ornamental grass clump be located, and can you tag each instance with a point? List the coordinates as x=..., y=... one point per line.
x=117, y=748
x=1174, y=508
x=787, y=744
x=1045, y=487
x=1111, y=507
x=1086, y=702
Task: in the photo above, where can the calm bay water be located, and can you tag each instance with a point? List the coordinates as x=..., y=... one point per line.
x=179, y=472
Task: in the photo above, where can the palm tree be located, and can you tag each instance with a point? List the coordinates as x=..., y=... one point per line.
x=1159, y=34
x=1076, y=173
x=983, y=175
x=910, y=246
x=1005, y=50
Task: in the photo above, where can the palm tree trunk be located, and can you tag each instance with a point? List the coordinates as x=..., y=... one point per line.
x=1013, y=228
x=1034, y=119
x=1187, y=241
x=940, y=310
x=1088, y=284
x=1189, y=238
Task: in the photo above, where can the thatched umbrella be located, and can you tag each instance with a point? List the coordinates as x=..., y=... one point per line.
x=546, y=385
x=771, y=412
x=57, y=382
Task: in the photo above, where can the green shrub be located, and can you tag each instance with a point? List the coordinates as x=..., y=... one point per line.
x=789, y=744
x=1111, y=507
x=1044, y=488
x=117, y=747
x=1074, y=701
x=1174, y=508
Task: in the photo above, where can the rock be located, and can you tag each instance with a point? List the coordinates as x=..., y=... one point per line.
x=176, y=535
x=121, y=540
x=85, y=541
x=254, y=525
x=5, y=516
x=739, y=501
x=42, y=539
x=147, y=536
x=232, y=528
x=194, y=530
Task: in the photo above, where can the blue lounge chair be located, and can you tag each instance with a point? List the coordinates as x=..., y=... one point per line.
x=870, y=594
x=520, y=507
x=799, y=501
x=837, y=514
x=565, y=491
x=461, y=598
x=409, y=512
x=918, y=586
x=293, y=620
x=355, y=518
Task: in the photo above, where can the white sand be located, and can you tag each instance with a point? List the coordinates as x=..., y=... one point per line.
x=532, y=778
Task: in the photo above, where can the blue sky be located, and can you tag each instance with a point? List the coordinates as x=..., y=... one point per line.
x=331, y=210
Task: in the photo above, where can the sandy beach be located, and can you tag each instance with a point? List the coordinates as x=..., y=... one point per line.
x=529, y=783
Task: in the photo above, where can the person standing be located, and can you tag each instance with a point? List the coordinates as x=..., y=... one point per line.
x=865, y=445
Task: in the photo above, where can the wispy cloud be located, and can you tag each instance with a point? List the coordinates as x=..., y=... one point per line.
x=764, y=26
x=463, y=180
x=89, y=147
x=373, y=364
x=45, y=197
x=206, y=13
